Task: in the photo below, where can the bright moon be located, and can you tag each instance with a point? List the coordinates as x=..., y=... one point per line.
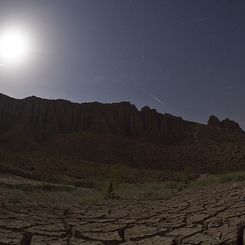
x=14, y=47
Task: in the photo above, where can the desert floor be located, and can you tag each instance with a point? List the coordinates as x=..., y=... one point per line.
x=212, y=215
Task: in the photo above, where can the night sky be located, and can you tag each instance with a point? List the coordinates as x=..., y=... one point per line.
x=184, y=57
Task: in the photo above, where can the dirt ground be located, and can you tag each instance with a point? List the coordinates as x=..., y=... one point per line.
x=213, y=215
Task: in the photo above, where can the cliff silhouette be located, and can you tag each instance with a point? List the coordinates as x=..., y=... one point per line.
x=119, y=132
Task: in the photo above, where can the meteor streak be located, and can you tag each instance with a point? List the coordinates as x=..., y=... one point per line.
x=153, y=96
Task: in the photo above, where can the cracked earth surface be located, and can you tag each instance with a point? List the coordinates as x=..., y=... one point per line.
x=214, y=215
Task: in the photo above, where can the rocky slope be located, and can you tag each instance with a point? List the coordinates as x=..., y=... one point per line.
x=118, y=132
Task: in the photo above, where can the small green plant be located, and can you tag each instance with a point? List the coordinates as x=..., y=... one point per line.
x=115, y=175
x=110, y=192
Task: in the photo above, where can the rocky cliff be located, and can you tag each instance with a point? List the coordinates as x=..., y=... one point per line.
x=118, y=132
x=44, y=118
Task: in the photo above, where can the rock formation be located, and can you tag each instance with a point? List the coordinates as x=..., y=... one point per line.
x=119, y=132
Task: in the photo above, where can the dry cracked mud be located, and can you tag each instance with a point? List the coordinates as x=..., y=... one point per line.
x=213, y=215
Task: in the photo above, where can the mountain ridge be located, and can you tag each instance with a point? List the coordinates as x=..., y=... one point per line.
x=144, y=108
x=119, y=132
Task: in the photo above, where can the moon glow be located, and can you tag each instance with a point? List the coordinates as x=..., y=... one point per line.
x=15, y=47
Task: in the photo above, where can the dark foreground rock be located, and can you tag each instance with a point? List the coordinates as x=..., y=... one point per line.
x=215, y=215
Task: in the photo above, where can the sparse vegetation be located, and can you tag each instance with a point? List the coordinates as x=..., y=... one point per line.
x=206, y=180
x=162, y=190
x=55, y=194
x=69, y=190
